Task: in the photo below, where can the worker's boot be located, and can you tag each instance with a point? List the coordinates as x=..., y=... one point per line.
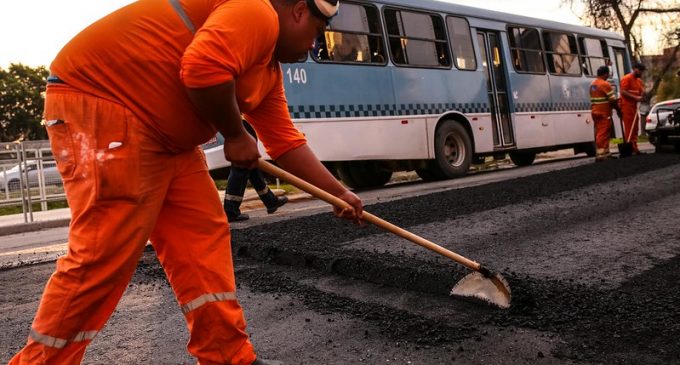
x=259, y=361
x=234, y=214
x=237, y=218
x=272, y=202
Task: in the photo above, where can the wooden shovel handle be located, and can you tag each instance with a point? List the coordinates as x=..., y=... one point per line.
x=337, y=202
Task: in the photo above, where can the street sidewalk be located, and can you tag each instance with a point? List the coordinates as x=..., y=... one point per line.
x=16, y=223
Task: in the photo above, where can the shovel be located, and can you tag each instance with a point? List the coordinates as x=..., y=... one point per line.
x=481, y=285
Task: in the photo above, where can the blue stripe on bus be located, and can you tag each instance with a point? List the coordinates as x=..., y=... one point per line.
x=381, y=110
x=387, y=110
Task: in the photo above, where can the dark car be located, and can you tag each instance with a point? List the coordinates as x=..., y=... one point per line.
x=663, y=125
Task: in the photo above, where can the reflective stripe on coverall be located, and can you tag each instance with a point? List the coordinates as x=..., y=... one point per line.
x=122, y=187
x=601, y=94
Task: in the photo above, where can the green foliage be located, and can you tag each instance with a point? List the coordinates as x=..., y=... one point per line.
x=21, y=102
x=669, y=88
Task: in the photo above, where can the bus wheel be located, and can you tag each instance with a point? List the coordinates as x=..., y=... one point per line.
x=452, y=150
x=13, y=185
x=522, y=158
x=363, y=174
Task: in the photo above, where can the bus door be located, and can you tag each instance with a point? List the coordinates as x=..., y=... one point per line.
x=621, y=68
x=620, y=62
x=496, y=85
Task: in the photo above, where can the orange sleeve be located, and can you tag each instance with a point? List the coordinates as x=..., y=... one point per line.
x=237, y=35
x=273, y=125
x=625, y=83
x=608, y=91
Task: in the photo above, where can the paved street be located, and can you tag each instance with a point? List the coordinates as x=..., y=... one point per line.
x=591, y=252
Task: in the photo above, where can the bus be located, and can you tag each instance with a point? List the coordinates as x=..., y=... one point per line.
x=430, y=86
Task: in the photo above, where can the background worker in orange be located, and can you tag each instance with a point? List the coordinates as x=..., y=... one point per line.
x=602, y=100
x=632, y=93
x=129, y=100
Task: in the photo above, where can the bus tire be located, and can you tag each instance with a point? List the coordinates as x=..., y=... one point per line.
x=363, y=174
x=13, y=185
x=452, y=151
x=522, y=158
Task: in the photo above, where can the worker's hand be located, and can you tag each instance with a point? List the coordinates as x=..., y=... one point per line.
x=241, y=151
x=354, y=214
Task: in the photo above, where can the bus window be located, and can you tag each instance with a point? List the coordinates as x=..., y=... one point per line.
x=593, y=55
x=622, y=65
x=417, y=39
x=562, y=53
x=461, y=43
x=525, y=46
x=354, y=36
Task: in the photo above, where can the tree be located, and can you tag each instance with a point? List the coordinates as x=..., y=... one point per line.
x=665, y=78
x=670, y=88
x=624, y=15
x=21, y=102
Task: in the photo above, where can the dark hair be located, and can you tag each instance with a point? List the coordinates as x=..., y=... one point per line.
x=602, y=70
x=640, y=66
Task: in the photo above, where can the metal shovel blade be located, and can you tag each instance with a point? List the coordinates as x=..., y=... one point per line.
x=493, y=290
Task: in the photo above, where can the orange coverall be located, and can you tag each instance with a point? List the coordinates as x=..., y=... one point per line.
x=629, y=109
x=601, y=96
x=125, y=138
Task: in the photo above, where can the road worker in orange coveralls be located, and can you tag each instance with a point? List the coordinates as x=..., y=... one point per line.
x=632, y=93
x=128, y=101
x=602, y=100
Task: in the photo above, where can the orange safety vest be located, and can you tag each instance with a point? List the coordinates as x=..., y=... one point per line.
x=601, y=94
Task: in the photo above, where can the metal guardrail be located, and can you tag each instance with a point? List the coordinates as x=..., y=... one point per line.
x=28, y=175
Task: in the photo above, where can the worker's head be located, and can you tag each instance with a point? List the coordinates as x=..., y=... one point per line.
x=638, y=69
x=300, y=23
x=603, y=72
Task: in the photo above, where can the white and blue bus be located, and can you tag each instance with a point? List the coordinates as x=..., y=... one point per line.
x=397, y=85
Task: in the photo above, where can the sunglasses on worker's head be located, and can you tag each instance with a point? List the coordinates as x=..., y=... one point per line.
x=324, y=9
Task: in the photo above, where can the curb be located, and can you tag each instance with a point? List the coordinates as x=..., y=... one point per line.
x=34, y=226
x=251, y=202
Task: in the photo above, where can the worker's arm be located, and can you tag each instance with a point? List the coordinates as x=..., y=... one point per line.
x=222, y=51
x=302, y=163
x=218, y=105
x=285, y=144
x=630, y=95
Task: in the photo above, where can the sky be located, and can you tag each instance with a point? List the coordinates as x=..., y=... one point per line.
x=33, y=31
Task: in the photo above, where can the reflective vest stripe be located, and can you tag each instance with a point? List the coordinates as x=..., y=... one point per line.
x=207, y=298
x=182, y=14
x=598, y=100
x=59, y=343
x=234, y=198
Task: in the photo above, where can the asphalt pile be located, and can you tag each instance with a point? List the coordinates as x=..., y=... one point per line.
x=635, y=322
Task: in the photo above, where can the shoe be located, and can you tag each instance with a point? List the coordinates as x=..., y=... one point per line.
x=279, y=202
x=259, y=361
x=637, y=153
x=237, y=218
